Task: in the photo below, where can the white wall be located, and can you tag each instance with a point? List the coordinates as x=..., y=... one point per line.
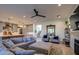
x=27, y=29
x=60, y=26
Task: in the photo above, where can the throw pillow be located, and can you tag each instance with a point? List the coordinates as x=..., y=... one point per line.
x=8, y=43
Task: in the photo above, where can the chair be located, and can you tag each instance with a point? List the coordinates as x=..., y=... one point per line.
x=45, y=38
x=55, y=39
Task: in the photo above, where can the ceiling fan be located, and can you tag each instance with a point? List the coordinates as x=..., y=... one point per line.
x=36, y=14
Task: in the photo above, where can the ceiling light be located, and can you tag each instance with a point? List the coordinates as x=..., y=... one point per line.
x=20, y=25
x=59, y=4
x=11, y=17
x=58, y=16
x=24, y=16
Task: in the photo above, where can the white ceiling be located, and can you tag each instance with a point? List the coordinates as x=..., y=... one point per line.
x=16, y=12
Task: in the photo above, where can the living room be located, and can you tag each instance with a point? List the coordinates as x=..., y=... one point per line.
x=38, y=29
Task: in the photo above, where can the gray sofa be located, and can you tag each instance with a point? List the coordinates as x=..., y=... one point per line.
x=24, y=42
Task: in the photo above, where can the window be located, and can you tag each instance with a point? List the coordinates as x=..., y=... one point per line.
x=50, y=29
x=38, y=28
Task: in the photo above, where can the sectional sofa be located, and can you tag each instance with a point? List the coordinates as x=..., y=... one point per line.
x=11, y=46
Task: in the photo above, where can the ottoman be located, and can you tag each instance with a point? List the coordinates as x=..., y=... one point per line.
x=41, y=47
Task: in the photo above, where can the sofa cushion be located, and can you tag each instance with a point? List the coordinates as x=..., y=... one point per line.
x=45, y=39
x=4, y=51
x=8, y=43
x=24, y=52
x=17, y=40
x=56, y=37
x=20, y=51
x=45, y=36
x=29, y=39
x=25, y=39
x=54, y=41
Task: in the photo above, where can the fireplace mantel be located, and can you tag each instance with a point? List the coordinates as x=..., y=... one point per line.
x=75, y=33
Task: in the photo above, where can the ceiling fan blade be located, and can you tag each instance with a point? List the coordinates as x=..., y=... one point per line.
x=41, y=16
x=36, y=14
x=33, y=16
x=35, y=11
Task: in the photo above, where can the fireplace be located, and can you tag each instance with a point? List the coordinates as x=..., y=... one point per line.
x=77, y=25
x=76, y=46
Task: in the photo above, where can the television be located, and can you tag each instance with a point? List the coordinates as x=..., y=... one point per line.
x=77, y=25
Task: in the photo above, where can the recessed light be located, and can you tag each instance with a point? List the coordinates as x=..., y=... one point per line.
x=24, y=16
x=11, y=17
x=58, y=16
x=59, y=4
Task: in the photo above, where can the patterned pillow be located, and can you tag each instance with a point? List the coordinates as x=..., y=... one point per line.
x=8, y=43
